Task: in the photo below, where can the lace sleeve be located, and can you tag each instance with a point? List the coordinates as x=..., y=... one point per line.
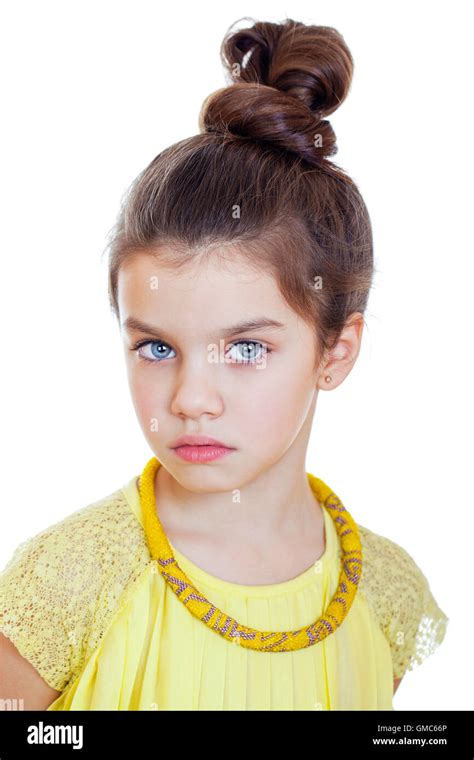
x=402, y=601
x=61, y=588
x=33, y=600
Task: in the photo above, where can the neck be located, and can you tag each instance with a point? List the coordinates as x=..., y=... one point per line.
x=277, y=503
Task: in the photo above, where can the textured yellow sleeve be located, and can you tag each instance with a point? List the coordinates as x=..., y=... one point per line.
x=61, y=587
x=33, y=605
x=401, y=600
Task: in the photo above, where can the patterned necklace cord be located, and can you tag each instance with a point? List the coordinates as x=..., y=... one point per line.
x=223, y=624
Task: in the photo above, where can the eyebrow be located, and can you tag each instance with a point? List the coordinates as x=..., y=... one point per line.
x=259, y=323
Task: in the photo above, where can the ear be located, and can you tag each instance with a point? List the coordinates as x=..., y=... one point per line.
x=340, y=359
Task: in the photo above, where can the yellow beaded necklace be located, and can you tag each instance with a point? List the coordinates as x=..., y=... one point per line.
x=223, y=624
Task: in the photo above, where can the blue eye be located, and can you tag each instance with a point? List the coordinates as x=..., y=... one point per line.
x=248, y=355
x=156, y=353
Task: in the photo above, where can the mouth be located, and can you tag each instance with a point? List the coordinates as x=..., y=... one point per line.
x=201, y=452
x=198, y=440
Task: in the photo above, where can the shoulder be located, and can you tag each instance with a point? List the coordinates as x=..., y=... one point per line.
x=61, y=586
x=390, y=576
x=401, y=600
x=98, y=538
x=382, y=553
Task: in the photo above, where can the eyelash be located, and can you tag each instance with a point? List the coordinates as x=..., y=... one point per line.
x=141, y=343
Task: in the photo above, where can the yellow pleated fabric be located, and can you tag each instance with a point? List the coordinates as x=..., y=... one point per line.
x=156, y=655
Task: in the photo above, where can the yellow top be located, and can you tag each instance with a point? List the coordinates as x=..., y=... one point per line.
x=84, y=602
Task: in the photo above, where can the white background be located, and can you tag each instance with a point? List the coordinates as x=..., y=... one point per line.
x=91, y=92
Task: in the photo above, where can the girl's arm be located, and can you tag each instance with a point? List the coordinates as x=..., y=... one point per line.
x=20, y=680
x=396, y=683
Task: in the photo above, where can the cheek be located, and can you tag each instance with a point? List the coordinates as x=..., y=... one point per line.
x=146, y=398
x=274, y=406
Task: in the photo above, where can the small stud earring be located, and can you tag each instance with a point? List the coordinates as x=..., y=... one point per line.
x=328, y=378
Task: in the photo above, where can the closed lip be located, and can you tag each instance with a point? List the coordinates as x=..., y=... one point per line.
x=197, y=440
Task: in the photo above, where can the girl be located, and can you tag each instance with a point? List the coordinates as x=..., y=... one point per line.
x=224, y=576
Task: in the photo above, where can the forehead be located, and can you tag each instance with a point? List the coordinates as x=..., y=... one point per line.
x=204, y=288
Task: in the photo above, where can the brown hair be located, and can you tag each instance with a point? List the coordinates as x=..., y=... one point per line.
x=257, y=178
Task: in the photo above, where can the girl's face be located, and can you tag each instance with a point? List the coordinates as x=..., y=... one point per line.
x=193, y=370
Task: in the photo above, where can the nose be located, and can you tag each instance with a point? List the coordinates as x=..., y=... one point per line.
x=196, y=390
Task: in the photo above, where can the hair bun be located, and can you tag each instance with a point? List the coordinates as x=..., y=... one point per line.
x=285, y=78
